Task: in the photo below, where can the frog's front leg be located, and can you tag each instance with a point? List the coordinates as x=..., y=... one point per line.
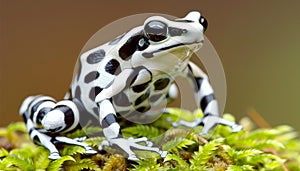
x=111, y=128
x=204, y=95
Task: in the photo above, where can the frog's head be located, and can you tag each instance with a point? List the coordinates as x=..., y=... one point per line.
x=164, y=44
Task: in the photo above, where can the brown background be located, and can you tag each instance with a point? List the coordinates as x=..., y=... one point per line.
x=258, y=42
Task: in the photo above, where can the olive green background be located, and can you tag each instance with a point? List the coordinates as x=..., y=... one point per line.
x=258, y=42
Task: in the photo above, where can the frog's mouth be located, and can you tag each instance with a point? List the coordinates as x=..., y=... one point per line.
x=182, y=50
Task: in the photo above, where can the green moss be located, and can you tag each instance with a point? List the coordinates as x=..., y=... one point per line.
x=251, y=149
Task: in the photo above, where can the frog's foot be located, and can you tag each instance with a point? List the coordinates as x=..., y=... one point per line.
x=236, y=128
x=208, y=123
x=54, y=156
x=127, y=144
x=76, y=141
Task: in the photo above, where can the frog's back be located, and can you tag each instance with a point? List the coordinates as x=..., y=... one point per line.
x=95, y=71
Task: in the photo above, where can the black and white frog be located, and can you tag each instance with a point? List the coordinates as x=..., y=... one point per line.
x=128, y=76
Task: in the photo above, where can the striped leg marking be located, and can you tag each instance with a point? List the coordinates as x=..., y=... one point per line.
x=111, y=130
x=43, y=115
x=107, y=118
x=43, y=139
x=205, y=98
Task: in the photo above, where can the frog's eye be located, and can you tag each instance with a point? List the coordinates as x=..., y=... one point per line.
x=156, y=31
x=203, y=22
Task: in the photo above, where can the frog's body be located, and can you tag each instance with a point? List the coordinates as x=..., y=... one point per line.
x=128, y=76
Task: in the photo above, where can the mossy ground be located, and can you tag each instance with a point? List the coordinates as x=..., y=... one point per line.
x=251, y=149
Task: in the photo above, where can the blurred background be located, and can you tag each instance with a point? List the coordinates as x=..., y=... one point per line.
x=257, y=41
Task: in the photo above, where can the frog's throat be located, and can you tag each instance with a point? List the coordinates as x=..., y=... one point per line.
x=182, y=53
x=170, y=48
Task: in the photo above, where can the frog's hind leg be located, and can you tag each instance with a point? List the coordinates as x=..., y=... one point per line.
x=35, y=134
x=46, y=113
x=44, y=116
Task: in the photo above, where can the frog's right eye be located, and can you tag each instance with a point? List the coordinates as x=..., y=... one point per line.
x=156, y=31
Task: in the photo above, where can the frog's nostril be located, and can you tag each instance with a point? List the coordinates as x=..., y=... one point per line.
x=203, y=22
x=196, y=16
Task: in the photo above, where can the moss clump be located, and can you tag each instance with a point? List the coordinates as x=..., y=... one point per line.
x=251, y=149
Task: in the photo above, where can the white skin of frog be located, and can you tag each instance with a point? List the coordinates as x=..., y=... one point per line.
x=25, y=104
x=192, y=15
x=53, y=119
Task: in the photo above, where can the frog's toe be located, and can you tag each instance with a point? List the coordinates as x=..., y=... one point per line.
x=175, y=124
x=54, y=156
x=89, y=150
x=104, y=143
x=133, y=157
x=149, y=143
x=80, y=139
x=163, y=154
x=142, y=139
x=237, y=128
